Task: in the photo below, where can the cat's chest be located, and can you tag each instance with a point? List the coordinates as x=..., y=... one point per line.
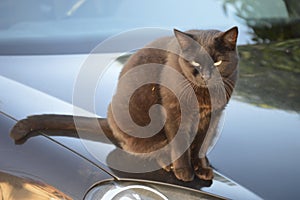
x=204, y=111
x=204, y=104
x=204, y=99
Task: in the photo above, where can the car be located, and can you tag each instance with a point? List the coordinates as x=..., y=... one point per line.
x=64, y=57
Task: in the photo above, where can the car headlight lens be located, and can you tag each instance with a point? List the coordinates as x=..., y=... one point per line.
x=137, y=191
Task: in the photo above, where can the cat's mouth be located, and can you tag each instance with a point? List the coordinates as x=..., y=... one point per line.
x=202, y=83
x=202, y=80
x=208, y=82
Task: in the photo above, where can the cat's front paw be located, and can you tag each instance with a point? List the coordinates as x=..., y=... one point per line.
x=184, y=174
x=20, y=130
x=202, y=169
x=206, y=174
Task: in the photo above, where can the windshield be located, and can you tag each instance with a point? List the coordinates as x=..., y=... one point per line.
x=77, y=26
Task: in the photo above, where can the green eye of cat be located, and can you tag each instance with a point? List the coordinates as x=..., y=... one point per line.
x=195, y=64
x=218, y=63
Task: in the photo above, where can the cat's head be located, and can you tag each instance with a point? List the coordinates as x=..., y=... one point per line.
x=207, y=54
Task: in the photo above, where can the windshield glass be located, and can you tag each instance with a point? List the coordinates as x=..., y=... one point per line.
x=76, y=26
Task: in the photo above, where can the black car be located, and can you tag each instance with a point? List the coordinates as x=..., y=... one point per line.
x=46, y=48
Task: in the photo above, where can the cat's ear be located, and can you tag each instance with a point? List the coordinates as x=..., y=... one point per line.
x=185, y=40
x=229, y=37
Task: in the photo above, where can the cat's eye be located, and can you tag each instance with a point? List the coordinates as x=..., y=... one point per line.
x=195, y=64
x=218, y=63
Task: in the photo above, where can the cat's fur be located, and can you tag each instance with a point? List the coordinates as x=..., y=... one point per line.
x=179, y=52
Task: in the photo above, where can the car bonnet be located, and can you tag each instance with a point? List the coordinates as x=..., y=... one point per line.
x=98, y=151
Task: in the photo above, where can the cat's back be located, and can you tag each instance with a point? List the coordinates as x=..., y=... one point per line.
x=154, y=52
x=137, y=90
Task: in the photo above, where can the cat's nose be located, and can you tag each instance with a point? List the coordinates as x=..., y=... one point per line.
x=206, y=74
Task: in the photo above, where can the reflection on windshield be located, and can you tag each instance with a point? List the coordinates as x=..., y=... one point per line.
x=270, y=20
x=99, y=15
x=36, y=27
x=77, y=26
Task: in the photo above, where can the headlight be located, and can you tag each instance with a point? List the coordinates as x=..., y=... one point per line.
x=144, y=191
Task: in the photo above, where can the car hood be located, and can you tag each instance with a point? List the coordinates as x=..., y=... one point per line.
x=24, y=97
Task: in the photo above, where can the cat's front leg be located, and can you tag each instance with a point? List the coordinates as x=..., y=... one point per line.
x=181, y=156
x=205, y=139
x=182, y=168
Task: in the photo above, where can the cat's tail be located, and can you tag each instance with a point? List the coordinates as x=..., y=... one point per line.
x=80, y=127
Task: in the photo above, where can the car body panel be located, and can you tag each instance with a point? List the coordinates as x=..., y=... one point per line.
x=16, y=187
x=40, y=158
x=19, y=108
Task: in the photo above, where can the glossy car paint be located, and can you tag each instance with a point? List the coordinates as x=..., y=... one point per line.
x=44, y=161
x=97, y=170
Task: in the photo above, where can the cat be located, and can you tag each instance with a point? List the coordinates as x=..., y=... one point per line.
x=176, y=70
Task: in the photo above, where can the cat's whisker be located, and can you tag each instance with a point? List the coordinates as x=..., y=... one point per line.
x=229, y=86
x=185, y=88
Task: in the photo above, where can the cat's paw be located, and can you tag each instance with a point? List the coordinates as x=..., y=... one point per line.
x=202, y=169
x=20, y=130
x=206, y=174
x=184, y=174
